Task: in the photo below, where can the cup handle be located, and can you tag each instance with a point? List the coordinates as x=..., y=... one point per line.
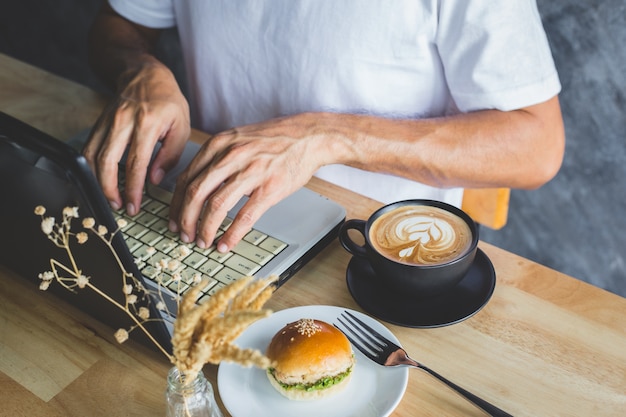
x=345, y=240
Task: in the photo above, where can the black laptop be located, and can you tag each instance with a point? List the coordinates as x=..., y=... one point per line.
x=39, y=170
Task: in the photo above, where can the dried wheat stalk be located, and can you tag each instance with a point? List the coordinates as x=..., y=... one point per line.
x=205, y=333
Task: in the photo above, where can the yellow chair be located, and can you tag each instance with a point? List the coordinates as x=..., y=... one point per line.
x=487, y=206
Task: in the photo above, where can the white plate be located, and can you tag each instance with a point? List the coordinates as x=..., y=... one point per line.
x=373, y=391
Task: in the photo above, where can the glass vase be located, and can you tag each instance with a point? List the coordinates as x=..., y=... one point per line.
x=190, y=398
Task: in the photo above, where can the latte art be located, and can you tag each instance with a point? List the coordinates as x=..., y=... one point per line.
x=422, y=235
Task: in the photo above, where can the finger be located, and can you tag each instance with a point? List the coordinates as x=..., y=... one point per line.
x=151, y=126
x=198, y=163
x=121, y=123
x=214, y=213
x=91, y=151
x=171, y=149
x=108, y=166
x=243, y=222
x=108, y=158
x=94, y=142
x=204, y=197
x=137, y=162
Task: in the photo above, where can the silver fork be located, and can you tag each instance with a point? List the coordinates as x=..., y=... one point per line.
x=384, y=352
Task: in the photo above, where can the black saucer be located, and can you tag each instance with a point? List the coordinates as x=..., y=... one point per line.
x=456, y=305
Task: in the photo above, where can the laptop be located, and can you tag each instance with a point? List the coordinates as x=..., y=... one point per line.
x=39, y=170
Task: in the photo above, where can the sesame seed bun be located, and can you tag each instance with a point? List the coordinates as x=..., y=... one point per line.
x=312, y=359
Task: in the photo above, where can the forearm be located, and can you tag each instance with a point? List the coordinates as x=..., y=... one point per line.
x=118, y=49
x=517, y=149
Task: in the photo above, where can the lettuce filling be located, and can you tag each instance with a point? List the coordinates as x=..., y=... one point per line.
x=321, y=384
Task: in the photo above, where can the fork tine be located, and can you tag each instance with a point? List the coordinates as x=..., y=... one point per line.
x=367, y=351
x=359, y=335
x=367, y=338
x=372, y=342
x=382, y=340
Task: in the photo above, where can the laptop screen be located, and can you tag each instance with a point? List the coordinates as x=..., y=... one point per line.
x=37, y=170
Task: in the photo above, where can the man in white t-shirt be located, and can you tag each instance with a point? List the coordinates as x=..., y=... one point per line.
x=393, y=99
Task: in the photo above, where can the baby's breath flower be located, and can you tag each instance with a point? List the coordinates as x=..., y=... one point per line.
x=173, y=265
x=89, y=222
x=184, y=251
x=81, y=237
x=121, y=335
x=47, y=225
x=70, y=212
x=82, y=281
x=176, y=277
x=47, y=276
x=143, y=313
x=197, y=278
x=61, y=234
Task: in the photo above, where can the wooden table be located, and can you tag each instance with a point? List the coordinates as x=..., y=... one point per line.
x=545, y=345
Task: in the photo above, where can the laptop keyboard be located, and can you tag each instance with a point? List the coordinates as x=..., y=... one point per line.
x=151, y=243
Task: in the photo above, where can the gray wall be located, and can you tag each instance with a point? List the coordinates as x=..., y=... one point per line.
x=575, y=224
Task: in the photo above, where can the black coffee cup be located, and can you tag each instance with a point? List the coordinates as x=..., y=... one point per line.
x=427, y=269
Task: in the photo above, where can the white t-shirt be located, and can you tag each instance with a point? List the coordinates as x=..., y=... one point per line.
x=252, y=60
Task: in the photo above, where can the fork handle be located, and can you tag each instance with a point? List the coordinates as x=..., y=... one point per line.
x=479, y=402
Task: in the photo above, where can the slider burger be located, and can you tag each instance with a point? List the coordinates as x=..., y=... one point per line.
x=311, y=359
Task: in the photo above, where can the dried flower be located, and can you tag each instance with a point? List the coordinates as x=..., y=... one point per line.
x=72, y=278
x=47, y=276
x=121, y=335
x=205, y=333
x=82, y=237
x=47, y=225
x=89, y=222
x=173, y=264
x=70, y=212
x=82, y=281
x=122, y=223
x=202, y=333
x=183, y=251
x=143, y=313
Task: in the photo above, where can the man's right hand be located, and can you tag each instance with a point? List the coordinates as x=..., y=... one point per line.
x=148, y=108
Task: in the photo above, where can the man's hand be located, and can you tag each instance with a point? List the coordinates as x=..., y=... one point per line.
x=149, y=108
x=267, y=161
